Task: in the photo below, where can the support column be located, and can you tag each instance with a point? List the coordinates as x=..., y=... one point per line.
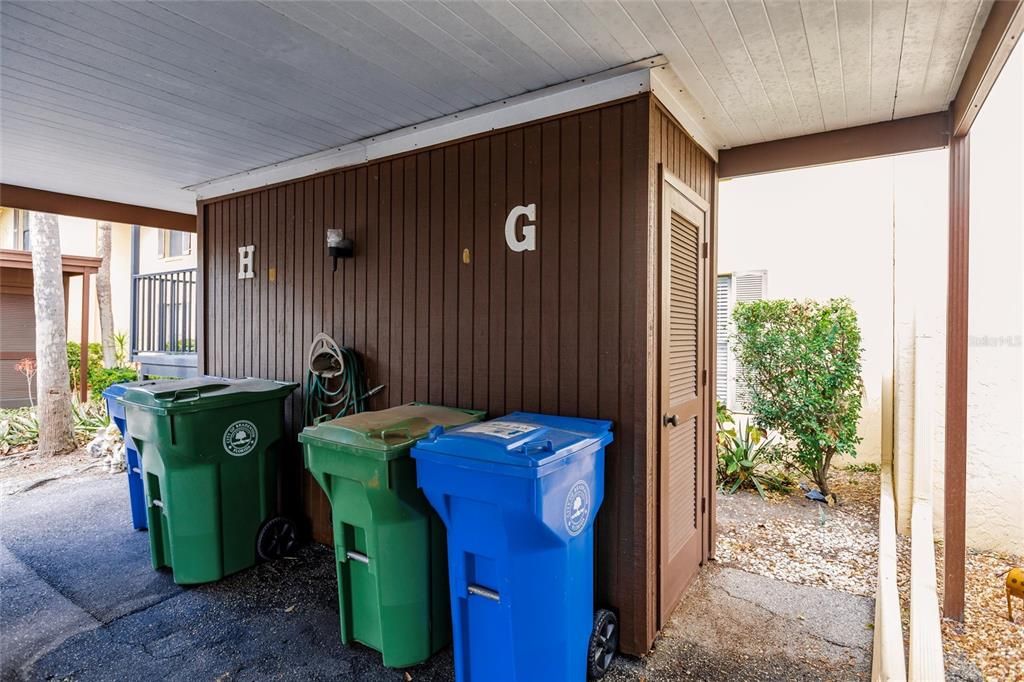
x=83, y=366
x=955, y=483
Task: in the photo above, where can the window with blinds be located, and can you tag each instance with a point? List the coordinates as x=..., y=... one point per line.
x=738, y=287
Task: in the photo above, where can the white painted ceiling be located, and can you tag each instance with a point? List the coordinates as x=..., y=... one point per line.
x=132, y=101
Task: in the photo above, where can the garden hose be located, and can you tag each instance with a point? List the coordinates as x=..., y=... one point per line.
x=328, y=364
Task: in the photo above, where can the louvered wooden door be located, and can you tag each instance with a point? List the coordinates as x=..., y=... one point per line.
x=684, y=217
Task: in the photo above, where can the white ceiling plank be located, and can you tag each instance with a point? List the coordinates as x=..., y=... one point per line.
x=467, y=45
x=161, y=79
x=236, y=61
x=854, y=22
x=689, y=30
x=919, y=40
x=888, y=23
x=160, y=144
x=412, y=52
x=225, y=143
x=822, y=33
x=723, y=31
x=787, y=27
x=189, y=60
x=646, y=15
x=525, y=30
x=273, y=35
x=60, y=143
x=621, y=25
x=477, y=19
x=955, y=28
x=61, y=70
x=546, y=19
x=760, y=43
x=984, y=8
x=592, y=30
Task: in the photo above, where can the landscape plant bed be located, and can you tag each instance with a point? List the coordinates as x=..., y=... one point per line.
x=791, y=538
x=986, y=639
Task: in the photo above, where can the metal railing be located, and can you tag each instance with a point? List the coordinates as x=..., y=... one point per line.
x=164, y=312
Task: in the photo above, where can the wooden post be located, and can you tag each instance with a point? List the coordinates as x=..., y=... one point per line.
x=955, y=483
x=83, y=366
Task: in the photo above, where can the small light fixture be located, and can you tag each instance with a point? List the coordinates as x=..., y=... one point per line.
x=338, y=246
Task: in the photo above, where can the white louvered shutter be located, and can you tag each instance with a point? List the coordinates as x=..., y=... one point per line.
x=723, y=308
x=748, y=286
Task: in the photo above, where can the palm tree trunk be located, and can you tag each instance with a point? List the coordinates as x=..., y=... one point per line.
x=103, y=297
x=53, y=384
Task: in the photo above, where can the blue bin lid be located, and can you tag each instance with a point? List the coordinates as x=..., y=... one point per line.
x=520, y=439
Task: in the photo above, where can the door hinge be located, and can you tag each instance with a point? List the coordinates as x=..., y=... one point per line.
x=704, y=250
x=703, y=377
x=703, y=505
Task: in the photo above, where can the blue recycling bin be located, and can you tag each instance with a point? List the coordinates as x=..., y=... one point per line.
x=518, y=496
x=136, y=489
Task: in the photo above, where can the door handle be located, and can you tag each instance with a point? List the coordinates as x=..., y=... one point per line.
x=670, y=420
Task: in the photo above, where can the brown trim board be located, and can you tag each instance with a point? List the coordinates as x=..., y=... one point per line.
x=998, y=37
x=917, y=133
x=955, y=477
x=43, y=201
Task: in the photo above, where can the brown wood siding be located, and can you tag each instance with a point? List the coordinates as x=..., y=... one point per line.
x=672, y=148
x=567, y=328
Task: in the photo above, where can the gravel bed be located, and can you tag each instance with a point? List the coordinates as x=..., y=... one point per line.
x=808, y=543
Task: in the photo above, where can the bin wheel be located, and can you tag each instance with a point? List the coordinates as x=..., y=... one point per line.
x=277, y=538
x=604, y=641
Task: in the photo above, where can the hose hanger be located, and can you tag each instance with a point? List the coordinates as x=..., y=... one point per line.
x=329, y=364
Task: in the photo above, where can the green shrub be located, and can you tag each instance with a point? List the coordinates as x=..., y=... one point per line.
x=803, y=371
x=101, y=378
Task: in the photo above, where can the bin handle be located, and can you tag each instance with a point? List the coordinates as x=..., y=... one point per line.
x=186, y=394
x=485, y=592
x=322, y=418
x=541, y=445
x=396, y=431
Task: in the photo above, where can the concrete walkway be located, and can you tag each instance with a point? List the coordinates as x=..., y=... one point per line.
x=80, y=601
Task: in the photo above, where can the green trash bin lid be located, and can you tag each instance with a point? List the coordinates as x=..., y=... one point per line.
x=201, y=393
x=386, y=434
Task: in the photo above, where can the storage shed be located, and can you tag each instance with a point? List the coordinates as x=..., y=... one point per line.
x=446, y=307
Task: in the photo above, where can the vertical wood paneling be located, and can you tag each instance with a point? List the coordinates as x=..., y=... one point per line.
x=531, y=273
x=565, y=329
x=549, y=242
x=513, y=281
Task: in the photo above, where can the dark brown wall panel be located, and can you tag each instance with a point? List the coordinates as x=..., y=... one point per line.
x=564, y=329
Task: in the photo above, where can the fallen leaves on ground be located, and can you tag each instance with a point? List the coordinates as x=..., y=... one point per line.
x=986, y=638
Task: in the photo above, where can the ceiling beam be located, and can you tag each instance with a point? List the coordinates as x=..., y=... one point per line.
x=917, y=133
x=43, y=201
x=1001, y=32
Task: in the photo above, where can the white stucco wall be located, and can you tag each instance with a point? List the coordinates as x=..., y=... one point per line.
x=995, y=403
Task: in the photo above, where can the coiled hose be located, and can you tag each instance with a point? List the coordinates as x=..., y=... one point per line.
x=328, y=364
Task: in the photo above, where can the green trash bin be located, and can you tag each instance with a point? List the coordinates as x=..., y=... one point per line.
x=389, y=543
x=209, y=451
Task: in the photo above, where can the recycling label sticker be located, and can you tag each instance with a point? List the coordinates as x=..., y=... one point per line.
x=501, y=429
x=240, y=438
x=577, y=507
